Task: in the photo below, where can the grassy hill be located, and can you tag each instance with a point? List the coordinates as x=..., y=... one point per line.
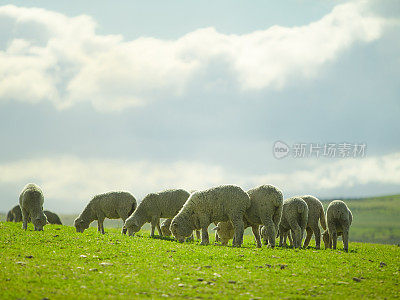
x=60, y=263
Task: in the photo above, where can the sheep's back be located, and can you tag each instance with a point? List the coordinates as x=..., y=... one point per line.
x=219, y=202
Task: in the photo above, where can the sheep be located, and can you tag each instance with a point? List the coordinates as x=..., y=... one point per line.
x=112, y=205
x=315, y=213
x=52, y=218
x=339, y=219
x=294, y=218
x=218, y=204
x=10, y=216
x=164, y=204
x=167, y=232
x=265, y=209
x=15, y=214
x=31, y=203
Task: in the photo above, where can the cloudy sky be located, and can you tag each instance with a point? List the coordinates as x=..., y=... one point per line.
x=148, y=95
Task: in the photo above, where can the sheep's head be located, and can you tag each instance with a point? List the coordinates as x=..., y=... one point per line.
x=39, y=222
x=180, y=230
x=80, y=225
x=326, y=239
x=225, y=232
x=165, y=230
x=132, y=225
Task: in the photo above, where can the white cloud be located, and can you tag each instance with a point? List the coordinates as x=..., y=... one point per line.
x=69, y=182
x=51, y=57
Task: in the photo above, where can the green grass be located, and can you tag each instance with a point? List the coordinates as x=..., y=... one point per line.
x=376, y=219
x=60, y=263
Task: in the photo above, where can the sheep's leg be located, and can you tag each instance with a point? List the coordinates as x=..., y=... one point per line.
x=256, y=234
x=159, y=228
x=216, y=237
x=270, y=231
x=238, y=226
x=123, y=229
x=317, y=236
x=345, y=237
x=334, y=239
x=100, y=224
x=198, y=234
x=204, y=236
x=25, y=217
x=289, y=235
x=154, y=222
x=296, y=230
x=281, y=237
x=308, y=237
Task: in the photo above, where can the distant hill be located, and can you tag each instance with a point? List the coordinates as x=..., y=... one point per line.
x=376, y=219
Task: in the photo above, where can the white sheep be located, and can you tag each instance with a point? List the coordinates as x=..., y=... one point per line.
x=31, y=203
x=265, y=209
x=315, y=214
x=165, y=204
x=294, y=218
x=218, y=204
x=52, y=218
x=111, y=205
x=339, y=219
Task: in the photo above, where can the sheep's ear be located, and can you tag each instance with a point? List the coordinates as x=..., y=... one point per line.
x=216, y=228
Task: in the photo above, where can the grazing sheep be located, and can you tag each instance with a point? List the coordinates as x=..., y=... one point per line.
x=315, y=214
x=52, y=218
x=15, y=214
x=31, y=202
x=165, y=204
x=10, y=216
x=294, y=218
x=219, y=204
x=111, y=205
x=339, y=219
x=265, y=209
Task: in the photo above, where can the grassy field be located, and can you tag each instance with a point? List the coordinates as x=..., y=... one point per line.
x=60, y=263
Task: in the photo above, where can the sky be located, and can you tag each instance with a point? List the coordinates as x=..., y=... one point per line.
x=148, y=95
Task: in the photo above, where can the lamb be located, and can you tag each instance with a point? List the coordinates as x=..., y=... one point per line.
x=218, y=204
x=265, y=209
x=315, y=213
x=31, y=203
x=339, y=219
x=165, y=204
x=112, y=205
x=167, y=232
x=52, y=218
x=294, y=218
